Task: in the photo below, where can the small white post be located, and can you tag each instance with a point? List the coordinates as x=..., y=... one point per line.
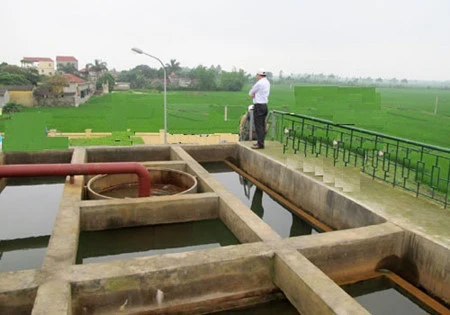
x=226, y=113
x=436, y=105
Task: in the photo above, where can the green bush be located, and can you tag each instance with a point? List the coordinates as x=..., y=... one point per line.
x=12, y=107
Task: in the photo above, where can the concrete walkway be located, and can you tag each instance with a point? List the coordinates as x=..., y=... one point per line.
x=419, y=215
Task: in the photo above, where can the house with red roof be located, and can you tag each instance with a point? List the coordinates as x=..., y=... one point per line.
x=66, y=61
x=77, y=88
x=44, y=65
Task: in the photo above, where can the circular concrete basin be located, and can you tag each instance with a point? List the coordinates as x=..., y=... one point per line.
x=164, y=181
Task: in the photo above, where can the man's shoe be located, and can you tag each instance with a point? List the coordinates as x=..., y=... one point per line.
x=256, y=147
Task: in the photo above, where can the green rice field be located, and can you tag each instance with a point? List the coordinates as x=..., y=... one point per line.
x=405, y=113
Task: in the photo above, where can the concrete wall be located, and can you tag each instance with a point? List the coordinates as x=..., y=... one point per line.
x=122, y=86
x=426, y=264
x=66, y=101
x=211, y=153
x=315, y=197
x=4, y=99
x=124, y=154
x=158, y=138
x=107, y=214
x=47, y=157
x=204, y=275
x=339, y=259
x=22, y=97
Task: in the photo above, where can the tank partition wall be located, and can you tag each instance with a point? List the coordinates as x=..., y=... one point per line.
x=242, y=222
x=418, y=167
x=425, y=263
x=41, y=157
x=18, y=289
x=20, y=299
x=123, y=154
x=323, y=202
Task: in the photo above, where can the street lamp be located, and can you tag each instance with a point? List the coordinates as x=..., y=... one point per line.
x=140, y=51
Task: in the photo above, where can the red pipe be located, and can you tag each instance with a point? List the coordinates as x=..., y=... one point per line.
x=29, y=170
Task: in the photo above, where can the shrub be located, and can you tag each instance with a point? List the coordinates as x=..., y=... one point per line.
x=12, y=107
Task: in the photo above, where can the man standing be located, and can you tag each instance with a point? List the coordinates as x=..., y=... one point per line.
x=260, y=94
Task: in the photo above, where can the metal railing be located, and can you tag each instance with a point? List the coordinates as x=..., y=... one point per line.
x=418, y=167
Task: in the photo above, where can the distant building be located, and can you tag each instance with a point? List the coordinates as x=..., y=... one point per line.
x=45, y=66
x=78, y=88
x=66, y=61
x=21, y=94
x=178, y=81
x=122, y=86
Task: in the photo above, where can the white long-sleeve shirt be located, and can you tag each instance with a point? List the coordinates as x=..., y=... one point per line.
x=261, y=89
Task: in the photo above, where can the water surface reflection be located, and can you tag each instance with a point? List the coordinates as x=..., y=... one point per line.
x=152, y=240
x=277, y=216
x=28, y=207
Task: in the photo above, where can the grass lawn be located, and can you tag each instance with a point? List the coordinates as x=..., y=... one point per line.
x=406, y=113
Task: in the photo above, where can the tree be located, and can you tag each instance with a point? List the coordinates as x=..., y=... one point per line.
x=140, y=77
x=56, y=83
x=98, y=67
x=233, y=81
x=42, y=91
x=13, y=79
x=157, y=85
x=51, y=87
x=67, y=68
x=204, y=78
x=30, y=74
x=173, y=66
x=146, y=71
x=105, y=78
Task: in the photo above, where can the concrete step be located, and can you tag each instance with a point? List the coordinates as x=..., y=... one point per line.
x=345, y=178
x=348, y=178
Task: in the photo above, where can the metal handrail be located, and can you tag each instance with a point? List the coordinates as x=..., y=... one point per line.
x=425, y=145
x=415, y=166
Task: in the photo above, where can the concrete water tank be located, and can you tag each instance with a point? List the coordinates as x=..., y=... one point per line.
x=164, y=181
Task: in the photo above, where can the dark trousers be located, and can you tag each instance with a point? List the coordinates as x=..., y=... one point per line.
x=260, y=113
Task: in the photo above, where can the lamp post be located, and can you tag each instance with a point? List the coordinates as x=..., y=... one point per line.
x=140, y=51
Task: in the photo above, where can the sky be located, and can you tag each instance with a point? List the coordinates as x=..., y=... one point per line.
x=349, y=38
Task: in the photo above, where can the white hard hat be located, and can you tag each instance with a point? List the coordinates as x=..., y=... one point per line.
x=251, y=107
x=261, y=71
